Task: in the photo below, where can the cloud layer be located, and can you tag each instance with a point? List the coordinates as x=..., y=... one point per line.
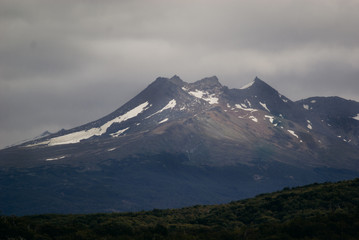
x=65, y=63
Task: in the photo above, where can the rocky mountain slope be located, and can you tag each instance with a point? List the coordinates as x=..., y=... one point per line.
x=178, y=144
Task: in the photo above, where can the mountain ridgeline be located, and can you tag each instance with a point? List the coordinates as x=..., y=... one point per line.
x=178, y=144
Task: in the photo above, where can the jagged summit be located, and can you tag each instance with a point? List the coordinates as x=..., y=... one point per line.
x=258, y=86
x=259, y=82
x=177, y=80
x=208, y=83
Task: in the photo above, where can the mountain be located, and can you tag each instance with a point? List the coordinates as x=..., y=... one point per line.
x=177, y=144
x=317, y=211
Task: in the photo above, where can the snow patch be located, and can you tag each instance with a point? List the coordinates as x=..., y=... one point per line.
x=37, y=144
x=119, y=132
x=271, y=118
x=248, y=102
x=170, y=105
x=313, y=101
x=76, y=137
x=356, y=117
x=185, y=89
x=247, y=85
x=305, y=106
x=210, y=98
x=293, y=133
x=111, y=149
x=197, y=93
x=164, y=120
x=309, y=125
x=264, y=106
x=283, y=99
x=55, y=158
x=253, y=119
x=245, y=109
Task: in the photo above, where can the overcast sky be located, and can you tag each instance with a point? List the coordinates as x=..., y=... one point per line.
x=65, y=63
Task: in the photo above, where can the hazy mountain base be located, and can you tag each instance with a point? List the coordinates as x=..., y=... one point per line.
x=318, y=211
x=145, y=182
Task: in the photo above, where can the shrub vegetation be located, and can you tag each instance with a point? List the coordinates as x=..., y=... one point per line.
x=318, y=211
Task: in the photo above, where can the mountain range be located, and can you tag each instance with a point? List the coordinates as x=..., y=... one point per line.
x=177, y=144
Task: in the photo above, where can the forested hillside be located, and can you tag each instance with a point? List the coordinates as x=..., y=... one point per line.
x=317, y=211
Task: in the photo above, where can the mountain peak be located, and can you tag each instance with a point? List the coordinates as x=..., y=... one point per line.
x=258, y=85
x=259, y=81
x=177, y=80
x=208, y=82
x=256, y=82
x=248, y=85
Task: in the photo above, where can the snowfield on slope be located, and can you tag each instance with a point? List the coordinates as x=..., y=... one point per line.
x=247, y=85
x=243, y=107
x=76, y=137
x=119, y=132
x=55, y=158
x=164, y=120
x=210, y=98
x=293, y=133
x=264, y=106
x=171, y=104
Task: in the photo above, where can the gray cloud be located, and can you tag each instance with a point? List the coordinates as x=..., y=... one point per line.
x=64, y=63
